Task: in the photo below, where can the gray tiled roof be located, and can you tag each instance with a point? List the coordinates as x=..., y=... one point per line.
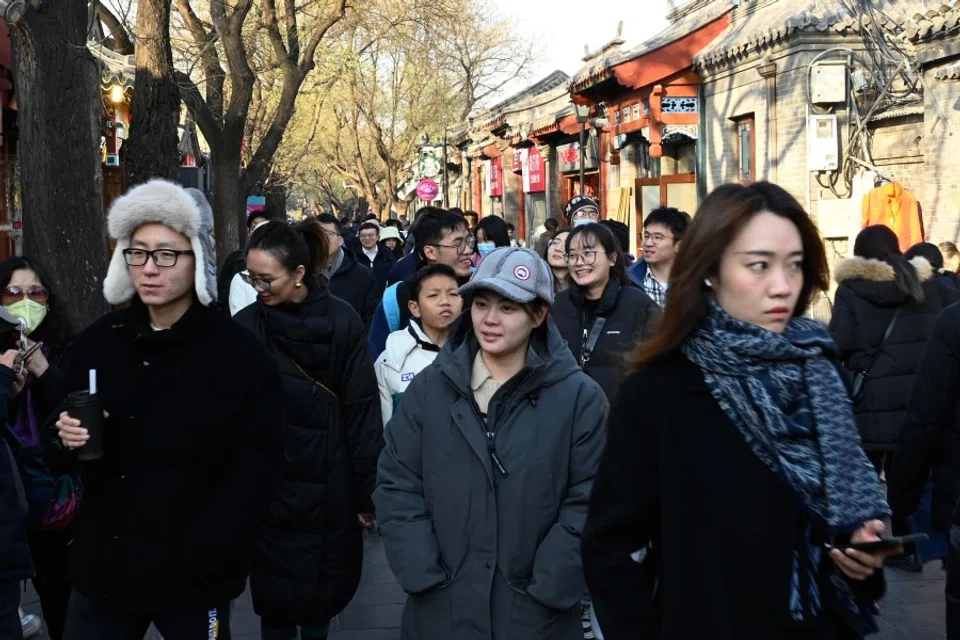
x=677, y=30
x=756, y=25
x=943, y=21
x=950, y=72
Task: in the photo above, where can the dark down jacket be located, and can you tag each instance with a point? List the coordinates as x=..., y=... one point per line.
x=356, y=284
x=310, y=547
x=865, y=302
x=631, y=316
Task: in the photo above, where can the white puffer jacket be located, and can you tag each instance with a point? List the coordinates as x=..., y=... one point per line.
x=409, y=351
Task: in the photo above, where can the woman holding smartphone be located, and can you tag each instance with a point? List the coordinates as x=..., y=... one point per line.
x=743, y=481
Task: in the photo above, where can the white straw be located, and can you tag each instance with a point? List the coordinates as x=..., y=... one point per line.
x=93, y=381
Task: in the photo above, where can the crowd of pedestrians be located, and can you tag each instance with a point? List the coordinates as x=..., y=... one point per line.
x=556, y=442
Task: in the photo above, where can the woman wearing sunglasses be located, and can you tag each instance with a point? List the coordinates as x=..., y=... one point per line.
x=27, y=295
x=602, y=316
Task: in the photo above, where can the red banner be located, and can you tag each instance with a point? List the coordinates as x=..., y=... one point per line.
x=517, y=161
x=496, y=177
x=534, y=175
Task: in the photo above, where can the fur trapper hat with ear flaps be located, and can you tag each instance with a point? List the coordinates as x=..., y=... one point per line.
x=186, y=211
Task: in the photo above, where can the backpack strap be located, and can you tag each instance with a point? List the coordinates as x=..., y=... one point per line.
x=391, y=307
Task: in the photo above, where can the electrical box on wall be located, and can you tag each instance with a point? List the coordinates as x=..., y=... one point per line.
x=828, y=83
x=822, y=143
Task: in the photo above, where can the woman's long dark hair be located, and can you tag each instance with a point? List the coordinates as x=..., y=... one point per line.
x=721, y=217
x=303, y=244
x=597, y=234
x=58, y=328
x=878, y=242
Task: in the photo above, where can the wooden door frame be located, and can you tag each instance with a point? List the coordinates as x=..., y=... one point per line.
x=662, y=182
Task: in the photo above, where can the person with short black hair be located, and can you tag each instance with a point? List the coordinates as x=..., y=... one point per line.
x=492, y=232
x=663, y=230
x=442, y=237
x=434, y=304
x=378, y=258
x=349, y=280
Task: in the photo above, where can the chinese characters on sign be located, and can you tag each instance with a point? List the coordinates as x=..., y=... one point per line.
x=534, y=178
x=496, y=177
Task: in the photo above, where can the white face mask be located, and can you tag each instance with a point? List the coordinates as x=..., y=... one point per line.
x=583, y=221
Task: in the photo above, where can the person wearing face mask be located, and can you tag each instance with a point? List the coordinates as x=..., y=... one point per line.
x=28, y=295
x=742, y=478
x=581, y=210
x=602, y=315
x=491, y=233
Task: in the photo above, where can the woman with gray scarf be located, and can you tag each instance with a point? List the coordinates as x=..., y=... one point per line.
x=744, y=480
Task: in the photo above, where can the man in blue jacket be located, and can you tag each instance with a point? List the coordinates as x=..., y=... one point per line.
x=15, y=563
x=662, y=231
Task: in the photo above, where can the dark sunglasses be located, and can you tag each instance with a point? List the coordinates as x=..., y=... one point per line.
x=36, y=293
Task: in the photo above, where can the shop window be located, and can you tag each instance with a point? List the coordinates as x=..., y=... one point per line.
x=746, y=141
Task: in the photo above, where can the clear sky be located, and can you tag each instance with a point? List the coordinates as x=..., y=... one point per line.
x=563, y=27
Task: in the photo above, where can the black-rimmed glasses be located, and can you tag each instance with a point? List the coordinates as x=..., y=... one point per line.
x=160, y=257
x=656, y=238
x=589, y=257
x=257, y=283
x=460, y=245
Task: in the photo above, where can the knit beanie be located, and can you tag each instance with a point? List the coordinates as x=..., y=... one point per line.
x=186, y=211
x=579, y=202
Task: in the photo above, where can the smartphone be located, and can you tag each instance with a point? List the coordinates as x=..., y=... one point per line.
x=887, y=543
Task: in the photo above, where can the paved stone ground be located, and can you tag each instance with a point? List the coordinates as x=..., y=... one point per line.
x=912, y=610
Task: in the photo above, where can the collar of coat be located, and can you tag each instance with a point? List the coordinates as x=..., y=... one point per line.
x=878, y=270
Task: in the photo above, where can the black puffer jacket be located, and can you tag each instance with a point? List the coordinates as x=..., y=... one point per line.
x=356, y=284
x=930, y=436
x=631, y=316
x=865, y=302
x=15, y=561
x=310, y=551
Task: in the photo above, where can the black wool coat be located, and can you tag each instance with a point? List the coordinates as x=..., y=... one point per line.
x=681, y=483
x=930, y=436
x=169, y=515
x=356, y=285
x=631, y=316
x=379, y=267
x=310, y=547
x=15, y=563
x=866, y=299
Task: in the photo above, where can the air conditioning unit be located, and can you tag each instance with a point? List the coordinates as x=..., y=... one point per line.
x=823, y=146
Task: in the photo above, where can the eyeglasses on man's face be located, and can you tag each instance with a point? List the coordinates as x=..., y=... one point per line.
x=160, y=257
x=470, y=242
x=655, y=238
x=330, y=233
x=260, y=284
x=369, y=235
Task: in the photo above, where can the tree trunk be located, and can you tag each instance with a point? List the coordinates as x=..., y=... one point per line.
x=152, y=148
x=59, y=101
x=229, y=204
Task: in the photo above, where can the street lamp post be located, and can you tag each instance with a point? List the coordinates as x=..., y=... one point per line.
x=583, y=115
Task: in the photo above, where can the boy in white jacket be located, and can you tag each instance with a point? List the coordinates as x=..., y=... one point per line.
x=434, y=304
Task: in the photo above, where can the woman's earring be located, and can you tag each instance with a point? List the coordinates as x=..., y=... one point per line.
x=299, y=284
x=707, y=283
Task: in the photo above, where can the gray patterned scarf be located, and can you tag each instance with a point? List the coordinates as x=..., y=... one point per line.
x=790, y=405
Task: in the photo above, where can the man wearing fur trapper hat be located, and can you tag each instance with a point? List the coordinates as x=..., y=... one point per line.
x=192, y=441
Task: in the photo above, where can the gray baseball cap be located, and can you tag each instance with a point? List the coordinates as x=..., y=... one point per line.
x=516, y=273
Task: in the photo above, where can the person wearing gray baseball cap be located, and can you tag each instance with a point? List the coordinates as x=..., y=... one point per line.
x=489, y=462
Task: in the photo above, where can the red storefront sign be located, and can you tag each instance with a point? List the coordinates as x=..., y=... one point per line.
x=534, y=174
x=517, y=161
x=496, y=177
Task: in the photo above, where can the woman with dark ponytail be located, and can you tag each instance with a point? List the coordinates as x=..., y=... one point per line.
x=884, y=310
x=310, y=550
